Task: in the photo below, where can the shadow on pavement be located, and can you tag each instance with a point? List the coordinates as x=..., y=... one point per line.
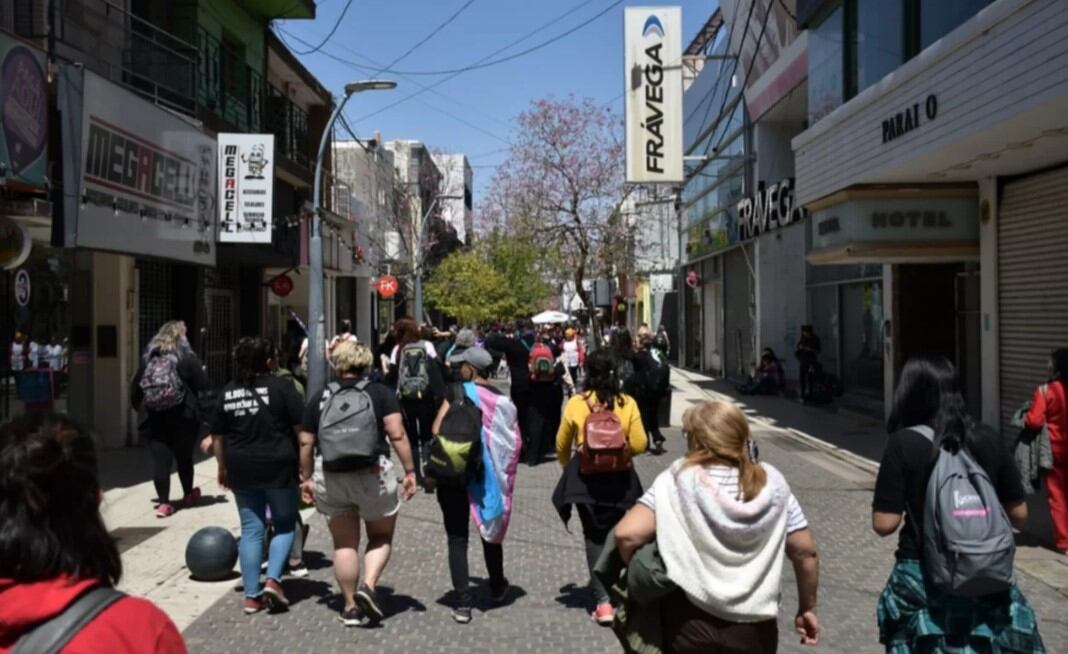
x=299, y=590
x=573, y=596
x=481, y=596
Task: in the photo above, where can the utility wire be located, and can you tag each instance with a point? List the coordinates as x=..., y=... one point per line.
x=329, y=36
x=454, y=16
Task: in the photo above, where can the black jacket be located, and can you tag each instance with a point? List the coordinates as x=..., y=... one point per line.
x=517, y=354
x=193, y=408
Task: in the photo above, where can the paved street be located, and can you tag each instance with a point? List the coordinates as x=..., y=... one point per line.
x=545, y=563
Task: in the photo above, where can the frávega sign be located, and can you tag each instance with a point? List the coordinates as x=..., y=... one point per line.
x=246, y=185
x=769, y=209
x=653, y=73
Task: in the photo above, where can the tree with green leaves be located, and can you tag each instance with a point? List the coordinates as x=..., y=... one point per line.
x=466, y=286
x=524, y=269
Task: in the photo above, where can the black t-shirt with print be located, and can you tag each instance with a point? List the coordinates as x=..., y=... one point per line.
x=901, y=486
x=383, y=399
x=259, y=447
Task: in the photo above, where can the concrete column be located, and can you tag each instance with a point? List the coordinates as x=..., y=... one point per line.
x=112, y=352
x=990, y=362
x=363, y=309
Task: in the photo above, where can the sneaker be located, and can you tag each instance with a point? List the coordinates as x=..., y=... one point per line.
x=461, y=614
x=254, y=605
x=165, y=510
x=275, y=596
x=367, y=600
x=353, y=617
x=298, y=570
x=500, y=593
x=191, y=498
x=604, y=615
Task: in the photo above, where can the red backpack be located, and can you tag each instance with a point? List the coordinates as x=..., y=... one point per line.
x=542, y=363
x=604, y=448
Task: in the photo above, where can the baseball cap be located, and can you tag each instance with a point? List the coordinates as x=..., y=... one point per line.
x=465, y=338
x=476, y=357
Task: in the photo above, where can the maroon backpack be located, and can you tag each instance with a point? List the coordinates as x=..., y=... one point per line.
x=604, y=448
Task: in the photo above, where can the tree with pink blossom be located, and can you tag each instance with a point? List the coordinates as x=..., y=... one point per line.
x=562, y=186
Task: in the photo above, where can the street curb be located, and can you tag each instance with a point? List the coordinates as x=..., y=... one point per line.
x=851, y=458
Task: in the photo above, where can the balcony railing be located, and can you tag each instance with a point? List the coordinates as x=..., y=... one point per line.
x=206, y=77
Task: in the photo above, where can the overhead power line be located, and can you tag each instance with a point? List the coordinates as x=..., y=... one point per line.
x=454, y=16
x=333, y=29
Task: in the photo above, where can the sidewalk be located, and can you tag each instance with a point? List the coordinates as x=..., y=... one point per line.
x=546, y=565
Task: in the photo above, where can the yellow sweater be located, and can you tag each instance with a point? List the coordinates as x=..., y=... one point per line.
x=571, y=434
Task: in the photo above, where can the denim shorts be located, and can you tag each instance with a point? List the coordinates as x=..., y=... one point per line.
x=372, y=492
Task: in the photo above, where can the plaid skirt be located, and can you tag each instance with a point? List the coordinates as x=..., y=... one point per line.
x=915, y=617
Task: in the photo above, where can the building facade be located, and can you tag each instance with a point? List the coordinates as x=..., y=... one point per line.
x=127, y=236
x=457, y=190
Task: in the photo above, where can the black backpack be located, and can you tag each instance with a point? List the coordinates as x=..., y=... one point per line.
x=456, y=450
x=659, y=373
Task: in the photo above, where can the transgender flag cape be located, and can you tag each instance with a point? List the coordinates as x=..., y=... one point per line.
x=491, y=495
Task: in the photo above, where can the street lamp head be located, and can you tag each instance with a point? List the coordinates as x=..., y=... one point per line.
x=370, y=85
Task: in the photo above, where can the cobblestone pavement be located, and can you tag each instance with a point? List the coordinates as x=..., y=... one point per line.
x=546, y=565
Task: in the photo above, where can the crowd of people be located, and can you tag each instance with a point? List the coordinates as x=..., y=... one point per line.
x=691, y=562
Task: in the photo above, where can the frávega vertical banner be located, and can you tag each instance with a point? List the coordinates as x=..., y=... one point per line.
x=653, y=59
x=246, y=187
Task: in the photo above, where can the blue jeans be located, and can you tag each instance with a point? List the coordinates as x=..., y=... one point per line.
x=252, y=508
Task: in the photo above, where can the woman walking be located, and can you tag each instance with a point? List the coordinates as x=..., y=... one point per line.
x=420, y=387
x=487, y=495
x=1049, y=408
x=926, y=421
x=348, y=489
x=723, y=523
x=601, y=496
x=254, y=436
x=166, y=393
x=56, y=555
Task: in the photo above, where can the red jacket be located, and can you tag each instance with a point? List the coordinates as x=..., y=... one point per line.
x=129, y=626
x=1050, y=408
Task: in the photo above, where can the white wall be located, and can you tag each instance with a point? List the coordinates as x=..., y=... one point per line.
x=781, y=307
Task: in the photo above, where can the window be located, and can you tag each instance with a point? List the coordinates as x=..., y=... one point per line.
x=878, y=40
x=825, y=66
x=940, y=17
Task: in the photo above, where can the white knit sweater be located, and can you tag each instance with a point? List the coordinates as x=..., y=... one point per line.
x=727, y=555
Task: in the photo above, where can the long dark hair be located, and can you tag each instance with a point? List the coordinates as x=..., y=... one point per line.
x=928, y=393
x=1059, y=359
x=50, y=523
x=250, y=359
x=601, y=378
x=621, y=342
x=407, y=331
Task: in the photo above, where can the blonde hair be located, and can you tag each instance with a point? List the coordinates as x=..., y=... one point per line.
x=349, y=357
x=169, y=338
x=718, y=433
x=645, y=335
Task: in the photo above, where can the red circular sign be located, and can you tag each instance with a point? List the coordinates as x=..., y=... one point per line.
x=387, y=286
x=282, y=285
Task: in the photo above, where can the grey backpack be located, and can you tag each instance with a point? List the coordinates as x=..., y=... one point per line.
x=413, y=371
x=968, y=548
x=348, y=429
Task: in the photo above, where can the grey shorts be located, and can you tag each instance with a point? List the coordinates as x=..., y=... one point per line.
x=372, y=493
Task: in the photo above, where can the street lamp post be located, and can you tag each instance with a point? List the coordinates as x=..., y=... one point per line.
x=316, y=317
x=419, y=258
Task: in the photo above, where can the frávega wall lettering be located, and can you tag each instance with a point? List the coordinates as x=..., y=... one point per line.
x=771, y=208
x=653, y=63
x=905, y=121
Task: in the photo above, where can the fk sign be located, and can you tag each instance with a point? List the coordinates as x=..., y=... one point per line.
x=653, y=62
x=387, y=286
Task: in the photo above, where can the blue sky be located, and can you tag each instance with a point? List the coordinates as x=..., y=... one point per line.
x=586, y=63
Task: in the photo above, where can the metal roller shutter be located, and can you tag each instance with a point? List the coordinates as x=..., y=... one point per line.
x=1032, y=283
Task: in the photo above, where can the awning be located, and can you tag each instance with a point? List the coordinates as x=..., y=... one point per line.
x=900, y=252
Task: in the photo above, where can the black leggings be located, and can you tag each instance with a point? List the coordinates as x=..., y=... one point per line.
x=649, y=407
x=419, y=423
x=456, y=511
x=596, y=523
x=172, y=441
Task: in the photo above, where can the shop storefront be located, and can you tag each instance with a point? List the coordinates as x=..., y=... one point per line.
x=138, y=219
